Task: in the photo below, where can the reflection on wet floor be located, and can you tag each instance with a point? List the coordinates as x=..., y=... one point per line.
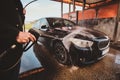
x=106, y=69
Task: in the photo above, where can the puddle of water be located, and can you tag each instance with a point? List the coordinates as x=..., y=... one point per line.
x=117, y=59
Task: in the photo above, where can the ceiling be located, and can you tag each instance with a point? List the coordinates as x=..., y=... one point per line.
x=86, y=3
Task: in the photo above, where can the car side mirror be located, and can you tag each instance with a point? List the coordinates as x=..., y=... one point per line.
x=44, y=27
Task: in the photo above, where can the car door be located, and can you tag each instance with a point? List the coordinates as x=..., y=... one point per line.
x=45, y=38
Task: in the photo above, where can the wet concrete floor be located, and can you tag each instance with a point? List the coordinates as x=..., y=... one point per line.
x=107, y=68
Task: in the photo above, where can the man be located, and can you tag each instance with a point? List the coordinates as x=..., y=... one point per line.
x=11, y=32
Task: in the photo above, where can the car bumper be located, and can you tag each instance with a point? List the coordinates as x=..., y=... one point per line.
x=86, y=55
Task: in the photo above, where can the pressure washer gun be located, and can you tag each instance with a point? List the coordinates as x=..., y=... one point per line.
x=29, y=44
x=38, y=33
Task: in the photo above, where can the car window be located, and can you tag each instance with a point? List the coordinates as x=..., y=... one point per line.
x=56, y=22
x=68, y=23
x=37, y=25
x=60, y=22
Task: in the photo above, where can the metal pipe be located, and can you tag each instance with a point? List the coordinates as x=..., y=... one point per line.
x=62, y=8
x=69, y=7
x=116, y=23
x=73, y=5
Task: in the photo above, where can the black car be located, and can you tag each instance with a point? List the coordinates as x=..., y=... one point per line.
x=70, y=43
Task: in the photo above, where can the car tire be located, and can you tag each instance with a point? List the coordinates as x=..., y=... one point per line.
x=61, y=53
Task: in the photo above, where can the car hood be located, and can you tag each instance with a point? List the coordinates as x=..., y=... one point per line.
x=85, y=32
x=82, y=33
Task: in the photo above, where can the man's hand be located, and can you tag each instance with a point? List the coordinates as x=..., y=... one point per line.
x=24, y=11
x=24, y=37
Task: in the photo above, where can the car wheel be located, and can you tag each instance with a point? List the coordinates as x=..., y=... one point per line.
x=61, y=53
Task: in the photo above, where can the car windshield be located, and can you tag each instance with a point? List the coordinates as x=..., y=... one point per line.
x=60, y=22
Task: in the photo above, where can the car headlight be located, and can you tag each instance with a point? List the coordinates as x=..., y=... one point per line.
x=81, y=43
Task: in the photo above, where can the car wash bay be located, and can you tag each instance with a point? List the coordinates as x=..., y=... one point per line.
x=107, y=68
